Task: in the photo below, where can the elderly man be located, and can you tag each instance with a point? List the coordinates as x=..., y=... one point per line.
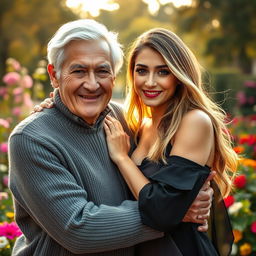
x=69, y=196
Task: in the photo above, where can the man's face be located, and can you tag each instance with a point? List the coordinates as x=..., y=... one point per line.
x=86, y=78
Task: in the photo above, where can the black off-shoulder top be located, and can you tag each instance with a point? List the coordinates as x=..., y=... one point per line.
x=164, y=202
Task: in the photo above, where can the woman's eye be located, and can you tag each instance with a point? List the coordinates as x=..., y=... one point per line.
x=164, y=72
x=141, y=71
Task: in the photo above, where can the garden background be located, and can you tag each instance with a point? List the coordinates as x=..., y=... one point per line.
x=221, y=33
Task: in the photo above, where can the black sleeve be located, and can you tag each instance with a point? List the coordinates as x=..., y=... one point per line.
x=164, y=202
x=220, y=229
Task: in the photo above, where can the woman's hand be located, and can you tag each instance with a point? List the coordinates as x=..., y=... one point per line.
x=118, y=141
x=47, y=103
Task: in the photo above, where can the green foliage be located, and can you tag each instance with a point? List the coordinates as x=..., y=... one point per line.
x=26, y=27
x=224, y=88
x=229, y=27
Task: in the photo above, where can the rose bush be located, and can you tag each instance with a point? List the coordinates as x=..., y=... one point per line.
x=241, y=203
x=17, y=95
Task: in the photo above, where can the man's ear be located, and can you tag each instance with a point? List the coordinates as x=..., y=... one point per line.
x=52, y=74
x=113, y=79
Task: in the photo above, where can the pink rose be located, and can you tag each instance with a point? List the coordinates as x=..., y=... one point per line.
x=10, y=230
x=17, y=91
x=26, y=81
x=11, y=78
x=27, y=100
x=241, y=97
x=4, y=123
x=3, y=91
x=253, y=227
x=4, y=147
x=6, y=180
x=16, y=111
x=250, y=84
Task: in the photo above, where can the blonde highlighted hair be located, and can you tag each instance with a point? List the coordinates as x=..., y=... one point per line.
x=189, y=95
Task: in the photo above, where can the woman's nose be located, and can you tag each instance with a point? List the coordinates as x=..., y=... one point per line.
x=151, y=82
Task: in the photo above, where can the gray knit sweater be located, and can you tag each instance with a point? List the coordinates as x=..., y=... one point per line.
x=69, y=197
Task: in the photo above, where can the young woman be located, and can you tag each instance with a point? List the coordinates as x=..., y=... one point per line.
x=181, y=136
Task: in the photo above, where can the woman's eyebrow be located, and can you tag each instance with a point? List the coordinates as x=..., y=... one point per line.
x=159, y=66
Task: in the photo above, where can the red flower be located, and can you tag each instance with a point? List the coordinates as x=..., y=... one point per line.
x=248, y=139
x=253, y=227
x=240, y=181
x=229, y=200
x=9, y=230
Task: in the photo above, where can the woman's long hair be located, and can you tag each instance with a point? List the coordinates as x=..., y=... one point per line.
x=189, y=95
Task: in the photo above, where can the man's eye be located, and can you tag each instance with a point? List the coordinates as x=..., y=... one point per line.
x=103, y=72
x=141, y=71
x=78, y=71
x=164, y=72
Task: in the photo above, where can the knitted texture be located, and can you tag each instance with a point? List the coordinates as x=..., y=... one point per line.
x=69, y=197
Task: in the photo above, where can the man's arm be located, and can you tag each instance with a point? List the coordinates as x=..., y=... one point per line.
x=199, y=211
x=55, y=200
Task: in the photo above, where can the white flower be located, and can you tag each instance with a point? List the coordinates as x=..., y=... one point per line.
x=234, y=249
x=3, y=241
x=235, y=207
x=3, y=168
x=3, y=195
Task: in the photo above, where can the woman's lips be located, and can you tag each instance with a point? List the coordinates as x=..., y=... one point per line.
x=151, y=94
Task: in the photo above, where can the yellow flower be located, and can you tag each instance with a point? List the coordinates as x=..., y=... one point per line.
x=9, y=215
x=237, y=235
x=248, y=162
x=245, y=249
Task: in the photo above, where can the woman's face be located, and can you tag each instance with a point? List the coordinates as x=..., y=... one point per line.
x=153, y=81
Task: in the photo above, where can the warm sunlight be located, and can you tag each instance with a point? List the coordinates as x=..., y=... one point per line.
x=153, y=5
x=93, y=7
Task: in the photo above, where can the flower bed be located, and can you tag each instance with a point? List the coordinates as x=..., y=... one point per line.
x=241, y=203
x=16, y=101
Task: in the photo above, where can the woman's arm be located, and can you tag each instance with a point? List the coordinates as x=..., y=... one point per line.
x=193, y=141
x=118, y=147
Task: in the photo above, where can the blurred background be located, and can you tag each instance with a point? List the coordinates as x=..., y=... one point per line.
x=221, y=33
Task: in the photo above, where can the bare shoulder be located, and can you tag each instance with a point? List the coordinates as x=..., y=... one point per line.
x=194, y=138
x=197, y=118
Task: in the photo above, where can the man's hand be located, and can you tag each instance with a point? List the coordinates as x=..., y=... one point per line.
x=199, y=211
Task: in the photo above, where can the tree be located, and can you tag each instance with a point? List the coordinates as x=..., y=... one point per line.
x=26, y=26
x=229, y=27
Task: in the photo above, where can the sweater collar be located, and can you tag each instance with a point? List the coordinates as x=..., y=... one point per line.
x=76, y=119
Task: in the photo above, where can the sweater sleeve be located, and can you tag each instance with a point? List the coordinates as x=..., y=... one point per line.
x=164, y=201
x=50, y=194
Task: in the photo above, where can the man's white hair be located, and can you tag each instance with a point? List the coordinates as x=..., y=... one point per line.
x=83, y=29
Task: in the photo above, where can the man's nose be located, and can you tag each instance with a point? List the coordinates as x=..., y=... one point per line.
x=91, y=83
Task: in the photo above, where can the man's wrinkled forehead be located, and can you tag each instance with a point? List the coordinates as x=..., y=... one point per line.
x=97, y=49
